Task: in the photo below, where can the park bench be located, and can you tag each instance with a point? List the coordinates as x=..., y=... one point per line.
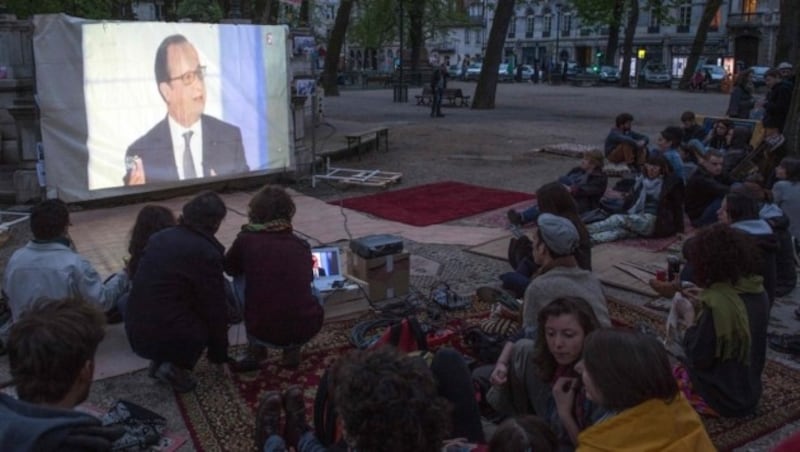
x=356, y=139
x=455, y=97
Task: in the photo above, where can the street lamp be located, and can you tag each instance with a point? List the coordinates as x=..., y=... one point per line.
x=400, y=91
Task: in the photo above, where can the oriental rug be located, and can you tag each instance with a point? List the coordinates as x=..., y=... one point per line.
x=435, y=203
x=220, y=413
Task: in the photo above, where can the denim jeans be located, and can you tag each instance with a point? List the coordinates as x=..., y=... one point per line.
x=308, y=443
x=622, y=226
x=530, y=214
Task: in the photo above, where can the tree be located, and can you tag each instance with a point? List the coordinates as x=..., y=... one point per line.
x=331, y=71
x=485, y=90
x=787, y=48
x=200, y=10
x=627, y=45
x=613, y=33
x=699, y=42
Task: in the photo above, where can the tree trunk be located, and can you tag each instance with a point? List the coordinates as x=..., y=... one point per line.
x=331, y=72
x=485, y=90
x=416, y=11
x=786, y=48
x=709, y=12
x=613, y=34
x=627, y=45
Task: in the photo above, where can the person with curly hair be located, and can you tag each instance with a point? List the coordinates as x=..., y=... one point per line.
x=386, y=401
x=629, y=374
x=273, y=270
x=523, y=434
x=538, y=377
x=725, y=345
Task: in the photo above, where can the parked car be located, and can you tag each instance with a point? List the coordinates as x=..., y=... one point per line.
x=527, y=72
x=608, y=74
x=580, y=75
x=503, y=74
x=758, y=74
x=474, y=71
x=454, y=71
x=717, y=73
x=656, y=74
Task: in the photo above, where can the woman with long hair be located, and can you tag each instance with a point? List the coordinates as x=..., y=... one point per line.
x=657, y=209
x=742, y=101
x=629, y=375
x=540, y=376
x=150, y=220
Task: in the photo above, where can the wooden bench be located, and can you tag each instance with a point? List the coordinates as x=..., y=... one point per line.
x=455, y=97
x=356, y=139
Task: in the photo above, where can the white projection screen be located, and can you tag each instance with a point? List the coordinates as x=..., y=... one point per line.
x=117, y=100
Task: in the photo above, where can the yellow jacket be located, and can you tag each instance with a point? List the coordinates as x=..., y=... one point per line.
x=651, y=426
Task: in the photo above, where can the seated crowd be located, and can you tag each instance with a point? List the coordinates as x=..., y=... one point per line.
x=565, y=380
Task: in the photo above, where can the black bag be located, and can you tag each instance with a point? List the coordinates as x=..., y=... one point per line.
x=143, y=428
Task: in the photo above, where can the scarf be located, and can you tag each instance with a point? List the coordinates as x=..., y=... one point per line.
x=650, y=188
x=281, y=224
x=731, y=323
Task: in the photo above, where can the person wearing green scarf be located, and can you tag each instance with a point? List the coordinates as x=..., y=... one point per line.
x=726, y=347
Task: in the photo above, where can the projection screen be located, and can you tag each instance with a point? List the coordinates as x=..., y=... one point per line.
x=132, y=107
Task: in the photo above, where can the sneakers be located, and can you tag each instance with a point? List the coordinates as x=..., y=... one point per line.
x=181, y=380
x=514, y=217
x=295, y=408
x=268, y=418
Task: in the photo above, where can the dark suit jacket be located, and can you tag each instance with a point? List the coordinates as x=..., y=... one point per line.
x=222, y=151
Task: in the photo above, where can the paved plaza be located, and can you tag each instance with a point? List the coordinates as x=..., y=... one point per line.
x=496, y=148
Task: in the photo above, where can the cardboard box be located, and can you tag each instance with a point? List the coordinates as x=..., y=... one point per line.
x=386, y=276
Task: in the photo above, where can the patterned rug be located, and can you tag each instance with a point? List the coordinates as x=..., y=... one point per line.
x=780, y=401
x=220, y=413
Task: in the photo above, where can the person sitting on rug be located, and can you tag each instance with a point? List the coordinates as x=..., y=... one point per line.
x=150, y=220
x=656, y=212
x=51, y=358
x=786, y=193
x=623, y=145
x=691, y=129
x=669, y=141
x=49, y=267
x=629, y=375
x=523, y=434
x=705, y=190
x=536, y=377
x=725, y=346
x=273, y=270
x=553, y=199
x=386, y=401
x=586, y=183
x=178, y=305
x=738, y=148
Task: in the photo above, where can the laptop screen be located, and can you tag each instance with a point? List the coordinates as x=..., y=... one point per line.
x=326, y=262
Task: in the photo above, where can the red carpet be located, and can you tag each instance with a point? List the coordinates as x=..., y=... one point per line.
x=429, y=204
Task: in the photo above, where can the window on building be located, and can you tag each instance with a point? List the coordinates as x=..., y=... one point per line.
x=684, y=16
x=749, y=6
x=466, y=36
x=512, y=28
x=478, y=37
x=529, y=21
x=547, y=25
x=566, y=24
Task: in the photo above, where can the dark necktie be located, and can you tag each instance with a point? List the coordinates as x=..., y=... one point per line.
x=188, y=161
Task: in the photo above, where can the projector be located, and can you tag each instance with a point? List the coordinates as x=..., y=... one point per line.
x=378, y=245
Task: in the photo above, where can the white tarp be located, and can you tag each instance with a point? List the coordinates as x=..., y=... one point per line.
x=114, y=108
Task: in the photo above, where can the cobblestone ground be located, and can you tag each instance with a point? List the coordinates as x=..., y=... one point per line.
x=491, y=148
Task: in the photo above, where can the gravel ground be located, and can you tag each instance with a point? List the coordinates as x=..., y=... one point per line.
x=493, y=148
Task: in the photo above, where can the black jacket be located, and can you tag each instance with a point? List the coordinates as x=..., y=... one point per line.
x=729, y=387
x=701, y=189
x=589, y=189
x=776, y=108
x=669, y=217
x=177, y=304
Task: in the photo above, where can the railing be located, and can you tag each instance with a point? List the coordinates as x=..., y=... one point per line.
x=745, y=20
x=545, y=34
x=655, y=29
x=683, y=29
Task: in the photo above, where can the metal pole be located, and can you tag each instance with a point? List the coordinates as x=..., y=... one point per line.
x=558, y=32
x=401, y=45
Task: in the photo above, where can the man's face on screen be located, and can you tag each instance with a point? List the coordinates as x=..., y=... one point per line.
x=185, y=92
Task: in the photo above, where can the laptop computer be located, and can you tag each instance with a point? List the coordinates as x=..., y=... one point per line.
x=327, y=267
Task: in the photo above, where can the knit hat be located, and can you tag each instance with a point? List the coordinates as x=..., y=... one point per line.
x=784, y=65
x=558, y=233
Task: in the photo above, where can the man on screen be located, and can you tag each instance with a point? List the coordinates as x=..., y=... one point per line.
x=187, y=144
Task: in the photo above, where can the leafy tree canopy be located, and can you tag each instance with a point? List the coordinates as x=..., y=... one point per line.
x=90, y=9
x=200, y=10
